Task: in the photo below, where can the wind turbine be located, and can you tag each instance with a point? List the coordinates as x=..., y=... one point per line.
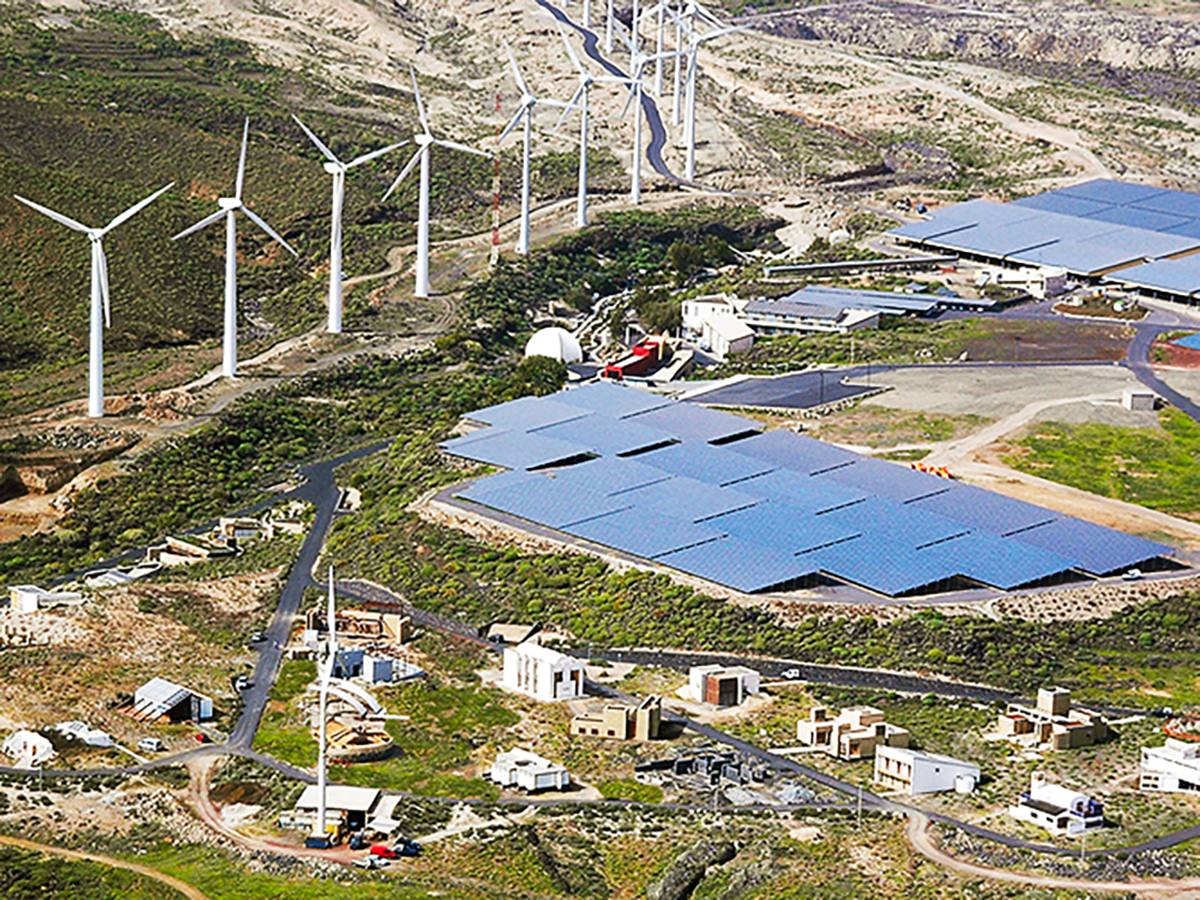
x=524, y=114
x=229, y=208
x=425, y=141
x=100, y=317
x=338, y=170
x=633, y=81
x=579, y=100
x=695, y=39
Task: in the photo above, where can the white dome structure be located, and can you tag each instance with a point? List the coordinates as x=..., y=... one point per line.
x=556, y=343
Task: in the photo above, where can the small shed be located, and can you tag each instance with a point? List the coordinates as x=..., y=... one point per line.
x=525, y=770
x=1137, y=399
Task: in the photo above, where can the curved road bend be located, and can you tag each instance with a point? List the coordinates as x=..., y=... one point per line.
x=1137, y=360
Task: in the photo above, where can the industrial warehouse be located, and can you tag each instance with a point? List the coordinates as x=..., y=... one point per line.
x=1136, y=236
x=711, y=495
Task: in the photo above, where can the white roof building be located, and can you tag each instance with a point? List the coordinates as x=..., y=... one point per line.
x=81, y=731
x=28, y=749
x=542, y=673
x=914, y=772
x=518, y=768
x=158, y=698
x=353, y=804
x=28, y=598
x=1173, y=767
x=726, y=335
x=1058, y=809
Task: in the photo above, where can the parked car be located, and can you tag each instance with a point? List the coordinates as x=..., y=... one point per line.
x=1132, y=575
x=150, y=745
x=243, y=683
x=791, y=674
x=407, y=847
x=257, y=638
x=383, y=850
x=372, y=862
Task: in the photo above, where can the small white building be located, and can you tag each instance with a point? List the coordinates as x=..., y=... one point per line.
x=527, y=771
x=81, y=731
x=28, y=749
x=542, y=673
x=1058, y=809
x=722, y=685
x=1137, y=399
x=28, y=598
x=343, y=803
x=727, y=335
x=913, y=772
x=1173, y=767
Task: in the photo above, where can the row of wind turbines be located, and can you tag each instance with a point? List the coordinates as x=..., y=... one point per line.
x=688, y=16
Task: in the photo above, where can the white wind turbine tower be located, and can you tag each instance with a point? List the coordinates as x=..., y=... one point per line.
x=695, y=39
x=633, y=81
x=230, y=207
x=525, y=115
x=100, y=318
x=326, y=675
x=424, y=141
x=579, y=101
x=338, y=170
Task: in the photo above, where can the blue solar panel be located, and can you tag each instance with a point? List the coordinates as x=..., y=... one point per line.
x=1063, y=204
x=813, y=495
x=1190, y=229
x=1179, y=276
x=1000, y=562
x=883, y=566
x=741, y=566
x=705, y=462
x=542, y=501
x=608, y=475
x=1176, y=203
x=848, y=297
x=695, y=423
x=499, y=482
x=607, y=436
x=1192, y=342
x=637, y=532
x=687, y=499
x=909, y=527
x=795, y=451
x=1136, y=217
x=889, y=480
x=984, y=510
x=526, y=413
x=512, y=449
x=1099, y=550
x=784, y=528
x=612, y=400
x=938, y=227
x=1097, y=254
x=1107, y=190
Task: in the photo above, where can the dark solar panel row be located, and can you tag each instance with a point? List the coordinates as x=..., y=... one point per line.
x=772, y=509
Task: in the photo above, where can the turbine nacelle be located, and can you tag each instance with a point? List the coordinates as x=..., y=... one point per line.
x=423, y=139
x=228, y=203
x=333, y=168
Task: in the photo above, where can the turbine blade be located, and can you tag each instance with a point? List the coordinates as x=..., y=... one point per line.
x=316, y=140
x=103, y=261
x=721, y=32
x=516, y=120
x=57, y=217
x=420, y=102
x=374, y=154
x=258, y=220
x=203, y=223
x=404, y=172
x=516, y=69
x=135, y=209
x=571, y=50
x=241, y=173
x=451, y=145
x=629, y=100
x=569, y=107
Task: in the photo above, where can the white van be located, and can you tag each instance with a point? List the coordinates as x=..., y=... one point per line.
x=151, y=745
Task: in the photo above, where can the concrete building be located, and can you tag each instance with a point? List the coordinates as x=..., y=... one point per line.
x=542, y=673
x=901, y=769
x=1054, y=721
x=358, y=625
x=1137, y=399
x=791, y=317
x=29, y=598
x=527, y=771
x=726, y=335
x=1058, y=809
x=159, y=698
x=856, y=733
x=622, y=723
x=84, y=733
x=722, y=685
x=1173, y=767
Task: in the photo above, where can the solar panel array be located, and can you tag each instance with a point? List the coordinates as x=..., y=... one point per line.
x=1088, y=229
x=708, y=494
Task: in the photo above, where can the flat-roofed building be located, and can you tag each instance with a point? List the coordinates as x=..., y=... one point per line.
x=343, y=803
x=542, y=673
x=620, y=722
x=914, y=772
x=522, y=769
x=722, y=685
x=854, y=734
x=1058, y=809
x=1173, y=767
x=1053, y=721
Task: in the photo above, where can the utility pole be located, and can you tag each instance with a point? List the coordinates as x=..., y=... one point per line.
x=860, y=807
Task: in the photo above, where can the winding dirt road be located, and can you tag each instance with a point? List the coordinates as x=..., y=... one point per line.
x=183, y=887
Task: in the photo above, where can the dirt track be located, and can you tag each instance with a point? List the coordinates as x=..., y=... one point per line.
x=183, y=887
